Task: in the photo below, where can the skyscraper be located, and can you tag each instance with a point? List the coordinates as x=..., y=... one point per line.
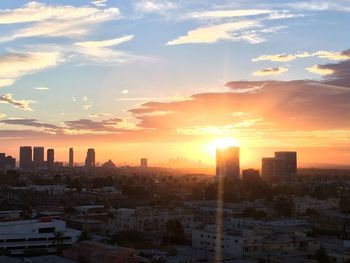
x=50, y=158
x=25, y=157
x=227, y=162
x=90, y=158
x=38, y=159
x=71, y=157
x=289, y=165
x=282, y=167
x=144, y=163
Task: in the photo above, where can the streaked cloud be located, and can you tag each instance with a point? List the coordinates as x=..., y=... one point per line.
x=317, y=69
x=331, y=55
x=55, y=20
x=105, y=43
x=17, y=64
x=28, y=122
x=213, y=33
x=99, y=3
x=270, y=71
x=41, y=88
x=219, y=14
x=154, y=6
x=21, y=104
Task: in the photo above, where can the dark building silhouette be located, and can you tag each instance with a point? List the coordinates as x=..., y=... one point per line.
x=71, y=157
x=250, y=174
x=144, y=163
x=109, y=164
x=50, y=158
x=227, y=162
x=90, y=158
x=38, y=157
x=25, y=157
x=282, y=167
x=7, y=162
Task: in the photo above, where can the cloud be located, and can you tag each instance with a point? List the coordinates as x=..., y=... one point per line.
x=342, y=5
x=87, y=125
x=331, y=55
x=100, y=114
x=15, y=65
x=99, y=3
x=270, y=72
x=54, y=20
x=213, y=33
x=317, y=69
x=21, y=104
x=340, y=75
x=41, y=88
x=124, y=91
x=154, y=6
x=105, y=43
x=29, y=122
x=219, y=14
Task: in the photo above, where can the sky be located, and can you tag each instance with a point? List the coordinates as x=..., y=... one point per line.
x=163, y=79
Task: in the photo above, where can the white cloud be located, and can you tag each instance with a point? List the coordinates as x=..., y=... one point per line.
x=214, y=33
x=270, y=72
x=154, y=6
x=99, y=3
x=105, y=43
x=316, y=69
x=219, y=14
x=21, y=104
x=54, y=20
x=125, y=91
x=41, y=88
x=16, y=65
x=331, y=55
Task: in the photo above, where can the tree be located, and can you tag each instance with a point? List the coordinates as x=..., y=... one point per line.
x=322, y=256
x=283, y=206
x=175, y=233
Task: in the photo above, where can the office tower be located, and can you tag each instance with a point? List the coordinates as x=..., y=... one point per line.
x=2, y=160
x=282, y=167
x=25, y=157
x=227, y=162
x=50, y=158
x=289, y=165
x=144, y=162
x=90, y=158
x=71, y=157
x=38, y=158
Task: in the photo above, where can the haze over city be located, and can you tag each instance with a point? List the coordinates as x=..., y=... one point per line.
x=165, y=79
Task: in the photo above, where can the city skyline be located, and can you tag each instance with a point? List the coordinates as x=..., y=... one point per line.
x=166, y=78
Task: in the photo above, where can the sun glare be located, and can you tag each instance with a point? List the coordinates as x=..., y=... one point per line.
x=221, y=143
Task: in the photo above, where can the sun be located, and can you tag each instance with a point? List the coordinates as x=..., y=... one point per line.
x=220, y=143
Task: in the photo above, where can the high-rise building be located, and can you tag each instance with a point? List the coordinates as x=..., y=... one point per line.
x=227, y=162
x=289, y=165
x=7, y=162
x=144, y=163
x=282, y=167
x=38, y=158
x=90, y=158
x=71, y=157
x=25, y=157
x=50, y=158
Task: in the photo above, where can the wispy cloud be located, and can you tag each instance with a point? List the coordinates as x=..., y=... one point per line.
x=270, y=72
x=41, y=88
x=15, y=65
x=105, y=43
x=28, y=122
x=99, y=3
x=21, y=104
x=54, y=20
x=219, y=14
x=154, y=6
x=211, y=34
x=331, y=55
